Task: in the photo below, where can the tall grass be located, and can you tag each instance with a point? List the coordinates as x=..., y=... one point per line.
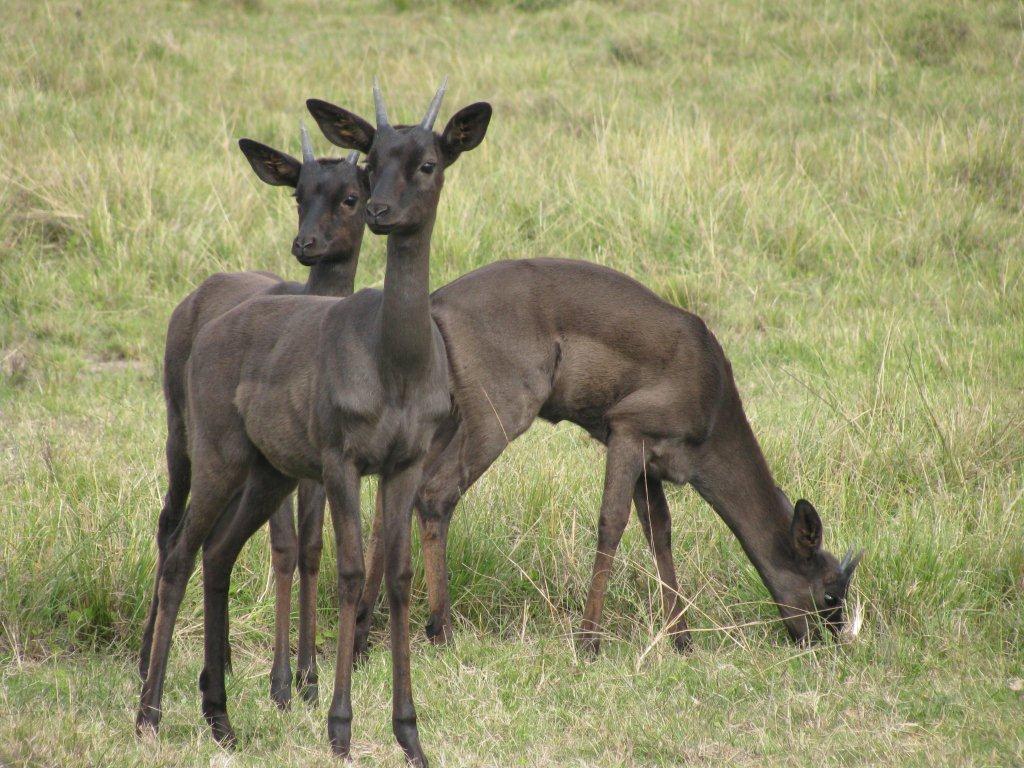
x=837, y=188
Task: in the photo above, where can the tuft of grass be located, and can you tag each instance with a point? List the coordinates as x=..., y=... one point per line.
x=835, y=188
x=934, y=35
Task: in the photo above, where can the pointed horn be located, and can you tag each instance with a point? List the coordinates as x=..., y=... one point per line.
x=435, y=106
x=846, y=559
x=307, y=145
x=850, y=561
x=353, y=158
x=378, y=101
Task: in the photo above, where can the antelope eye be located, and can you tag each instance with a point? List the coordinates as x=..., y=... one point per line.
x=350, y=201
x=428, y=167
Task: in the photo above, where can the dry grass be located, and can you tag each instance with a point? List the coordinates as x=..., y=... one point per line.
x=836, y=188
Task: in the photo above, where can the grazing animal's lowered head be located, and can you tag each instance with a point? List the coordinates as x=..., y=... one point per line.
x=808, y=581
x=331, y=196
x=406, y=163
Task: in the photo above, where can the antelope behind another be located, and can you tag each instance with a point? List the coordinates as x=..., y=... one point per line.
x=331, y=195
x=288, y=388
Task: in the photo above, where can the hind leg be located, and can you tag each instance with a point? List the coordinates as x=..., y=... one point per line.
x=225, y=517
x=179, y=477
x=469, y=453
x=373, y=578
x=265, y=490
x=213, y=485
x=284, y=552
x=312, y=499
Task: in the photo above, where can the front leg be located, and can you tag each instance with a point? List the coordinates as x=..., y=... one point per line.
x=622, y=468
x=399, y=491
x=656, y=520
x=341, y=481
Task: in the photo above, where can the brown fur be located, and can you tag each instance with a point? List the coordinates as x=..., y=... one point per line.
x=289, y=388
x=573, y=341
x=331, y=196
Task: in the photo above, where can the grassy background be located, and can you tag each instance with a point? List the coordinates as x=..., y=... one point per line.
x=837, y=187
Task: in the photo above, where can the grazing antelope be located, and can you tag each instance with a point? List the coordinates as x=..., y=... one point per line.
x=296, y=387
x=331, y=196
x=573, y=341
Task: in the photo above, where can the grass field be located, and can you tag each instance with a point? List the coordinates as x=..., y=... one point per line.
x=837, y=188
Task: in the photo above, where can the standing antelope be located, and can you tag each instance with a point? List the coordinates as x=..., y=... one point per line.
x=289, y=388
x=331, y=196
x=572, y=341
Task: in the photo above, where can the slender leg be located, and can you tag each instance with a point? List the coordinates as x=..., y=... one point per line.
x=284, y=553
x=623, y=465
x=311, y=542
x=341, y=481
x=265, y=490
x=399, y=491
x=179, y=474
x=374, y=577
x=225, y=519
x=467, y=456
x=434, y=540
x=212, y=489
x=222, y=523
x=655, y=519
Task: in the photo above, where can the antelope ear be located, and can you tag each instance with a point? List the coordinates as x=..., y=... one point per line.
x=806, y=528
x=270, y=165
x=465, y=130
x=342, y=127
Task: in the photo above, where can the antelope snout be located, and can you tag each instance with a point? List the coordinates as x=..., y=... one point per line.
x=376, y=210
x=303, y=247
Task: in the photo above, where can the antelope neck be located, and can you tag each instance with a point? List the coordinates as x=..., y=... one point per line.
x=405, y=312
x=332, y=278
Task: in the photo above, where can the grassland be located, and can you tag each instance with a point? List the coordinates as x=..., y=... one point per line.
x=838, y=188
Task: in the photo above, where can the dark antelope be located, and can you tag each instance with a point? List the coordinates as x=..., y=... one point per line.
x=331, y=196
x=287, y=388
x=573, y=341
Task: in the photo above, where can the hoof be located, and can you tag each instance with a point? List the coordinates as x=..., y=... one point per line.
x=682, y=642
x=281, y=690
x=589, y=645
x=221, y=729
x=409, y=740
x=439, y=632
x=308, y=689
x=339, y=731
x=147, y=723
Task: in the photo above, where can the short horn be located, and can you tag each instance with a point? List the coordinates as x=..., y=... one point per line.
x=435, y=106
x=378, y=102
x=307, y=145
x=850, y=561
x=353, y=157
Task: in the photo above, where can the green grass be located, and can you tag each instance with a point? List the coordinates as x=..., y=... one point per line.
x=837, y=188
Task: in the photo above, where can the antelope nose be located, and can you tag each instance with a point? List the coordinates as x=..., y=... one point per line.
x=301, y=244
x=376, y=210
